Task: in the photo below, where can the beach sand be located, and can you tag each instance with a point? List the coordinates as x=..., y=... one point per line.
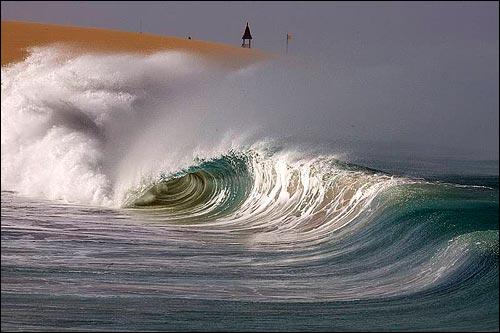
x=18, y=37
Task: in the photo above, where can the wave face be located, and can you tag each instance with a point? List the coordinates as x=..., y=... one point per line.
x=163, y=193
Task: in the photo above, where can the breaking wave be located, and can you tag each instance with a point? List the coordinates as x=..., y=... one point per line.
x=150, y=135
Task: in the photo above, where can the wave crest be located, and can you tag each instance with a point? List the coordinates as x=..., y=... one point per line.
x=263, y=189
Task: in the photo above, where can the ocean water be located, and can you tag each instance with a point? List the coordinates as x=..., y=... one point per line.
x=121, y=214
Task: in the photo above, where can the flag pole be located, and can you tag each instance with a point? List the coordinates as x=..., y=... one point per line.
x=286, y=43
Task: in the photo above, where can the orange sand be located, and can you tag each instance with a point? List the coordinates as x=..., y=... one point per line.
x=17, y=37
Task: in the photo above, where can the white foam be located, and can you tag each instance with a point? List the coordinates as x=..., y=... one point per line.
x=86, y=128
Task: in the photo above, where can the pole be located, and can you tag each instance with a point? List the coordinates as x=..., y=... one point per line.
x=286, y=43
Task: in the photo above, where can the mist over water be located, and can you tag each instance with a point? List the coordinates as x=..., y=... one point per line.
x=108, y=122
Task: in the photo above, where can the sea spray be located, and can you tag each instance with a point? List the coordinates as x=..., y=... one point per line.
x=70, y=123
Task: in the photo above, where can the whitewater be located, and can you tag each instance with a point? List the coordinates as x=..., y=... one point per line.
x=167, y=192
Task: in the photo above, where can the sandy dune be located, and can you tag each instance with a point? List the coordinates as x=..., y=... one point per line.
x=17, y=37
